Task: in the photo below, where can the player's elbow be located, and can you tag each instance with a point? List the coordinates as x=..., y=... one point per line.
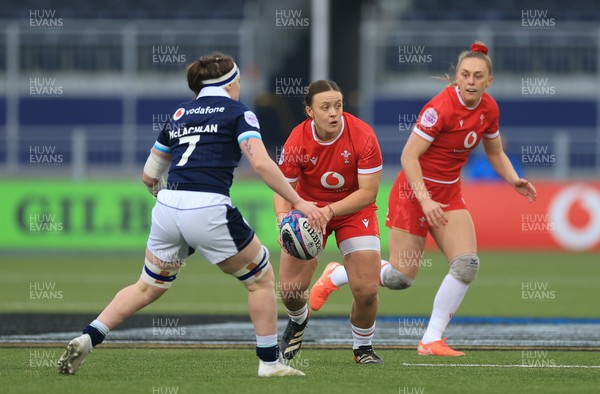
x=370, y=196
x=495, y=156
x=495, y=159
x=261, y=166
x=405, y=158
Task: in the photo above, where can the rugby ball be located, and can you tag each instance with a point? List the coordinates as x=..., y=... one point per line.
x=298, y=238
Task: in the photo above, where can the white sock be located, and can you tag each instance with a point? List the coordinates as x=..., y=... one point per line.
x=362, y=336
x=266, y=340
x=300, y=315
x=98, y=325
x=447, y=300
x=385, y=265
x=339, y=276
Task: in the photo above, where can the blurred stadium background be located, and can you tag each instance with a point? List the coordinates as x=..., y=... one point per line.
x=86, y=86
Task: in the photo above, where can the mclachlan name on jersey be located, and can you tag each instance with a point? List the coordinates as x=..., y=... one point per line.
x=209, y=128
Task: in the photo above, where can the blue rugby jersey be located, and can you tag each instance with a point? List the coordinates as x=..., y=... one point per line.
x=203, y=137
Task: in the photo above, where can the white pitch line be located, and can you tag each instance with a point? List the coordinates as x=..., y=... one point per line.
x=500, y=365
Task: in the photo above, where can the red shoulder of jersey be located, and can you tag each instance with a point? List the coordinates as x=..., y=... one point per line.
x=431, y=118
x=365, y=143
x=491, y=105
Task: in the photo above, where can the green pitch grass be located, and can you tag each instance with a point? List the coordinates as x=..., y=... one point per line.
x=328, y=371
x=508, y=284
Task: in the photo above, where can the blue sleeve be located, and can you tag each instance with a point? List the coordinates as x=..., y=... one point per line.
x=163, y=142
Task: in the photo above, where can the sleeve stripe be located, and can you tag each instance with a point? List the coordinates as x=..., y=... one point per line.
x=292, y=180
x=422, y=134
x=365, y=171
x=161, y=147
x=248, y=134
x=494, y=135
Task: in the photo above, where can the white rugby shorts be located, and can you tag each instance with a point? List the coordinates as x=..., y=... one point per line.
x=184, y=221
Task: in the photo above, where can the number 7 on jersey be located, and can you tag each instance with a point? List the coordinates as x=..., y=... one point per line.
x=192, y=140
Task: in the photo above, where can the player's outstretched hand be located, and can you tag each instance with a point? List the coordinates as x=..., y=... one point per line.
x=433, y=212
x=316, y=217
x=526, y=189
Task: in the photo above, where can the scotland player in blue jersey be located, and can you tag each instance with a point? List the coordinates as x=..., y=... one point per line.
x=200, y=146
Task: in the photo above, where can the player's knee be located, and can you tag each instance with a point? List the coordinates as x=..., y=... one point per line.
x=267, y=279
x=464, y=268
x=149, y=292
x=395, y=280
x=365, y=294
x=368, y=298
x=256, y=269
x=162, y=275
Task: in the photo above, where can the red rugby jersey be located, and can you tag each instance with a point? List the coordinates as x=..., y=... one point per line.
x=328, y=171
x=454, y=130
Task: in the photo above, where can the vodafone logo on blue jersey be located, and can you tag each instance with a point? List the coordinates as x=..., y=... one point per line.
x=179, y=113
x=204, y=110
x=332, y=180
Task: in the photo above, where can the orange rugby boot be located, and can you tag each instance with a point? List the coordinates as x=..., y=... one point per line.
x=323, y=288
x=437, y=348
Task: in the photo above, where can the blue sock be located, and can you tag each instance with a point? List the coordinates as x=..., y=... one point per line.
x=268, y=354
x=97, y=332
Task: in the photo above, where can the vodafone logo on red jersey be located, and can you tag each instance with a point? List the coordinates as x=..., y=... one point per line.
x=575, y=211
x=332, y=180
x=470, y=139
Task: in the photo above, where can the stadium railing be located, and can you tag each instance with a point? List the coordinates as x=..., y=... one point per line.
x=118, y=60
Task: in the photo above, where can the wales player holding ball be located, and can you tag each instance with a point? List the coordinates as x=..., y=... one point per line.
x=333, y=158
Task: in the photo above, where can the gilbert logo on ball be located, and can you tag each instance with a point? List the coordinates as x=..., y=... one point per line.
x=299, y=239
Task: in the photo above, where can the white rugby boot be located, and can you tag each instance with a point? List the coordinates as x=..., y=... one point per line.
x=277, y=369
x=74, y=356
